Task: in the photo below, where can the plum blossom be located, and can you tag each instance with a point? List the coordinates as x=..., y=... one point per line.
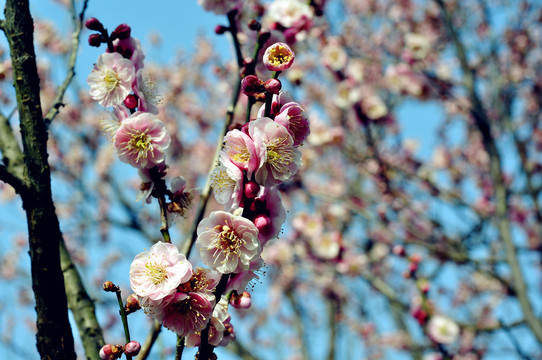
x=267, y=213
x=278, y=57
x=157, y=273
x=228, y=243
x=111, y=79
x=334, y=56
x=289, y=13
x=418, y=45
x=227, y=183
x=142, y=140
x=221, y=331
x=240, y=149
x=130, y=48
x=292, y=116
x=442, y=329
x=146, y=92
x=275, y=147
x=186, y=313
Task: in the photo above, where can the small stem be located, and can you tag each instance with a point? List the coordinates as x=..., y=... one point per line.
x=124, y=320
x=180, y=347
x=164, y=227
x=205, y=349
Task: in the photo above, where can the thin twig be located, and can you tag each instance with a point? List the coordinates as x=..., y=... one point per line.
x=78, y=26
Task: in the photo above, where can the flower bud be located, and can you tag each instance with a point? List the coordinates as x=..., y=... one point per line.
x=95, y=40
x=263, y=36
x=130, y=102
x=221, y=29
x=251, y=85
x=273, y=86
x=132, y=348
x=278, y=57
x=110, y=287
x=132, y=304
x=262, y=221
x=242, y=301
x=123, y=31
x=254, y=25
x=94, y=24
x=110, y=352
x=251, y=189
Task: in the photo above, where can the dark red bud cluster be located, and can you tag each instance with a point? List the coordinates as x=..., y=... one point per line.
x=254, y=25
x=94, y=24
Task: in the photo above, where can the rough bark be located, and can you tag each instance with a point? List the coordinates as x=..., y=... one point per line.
x=54, y=336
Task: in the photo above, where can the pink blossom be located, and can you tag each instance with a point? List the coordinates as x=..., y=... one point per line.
x=145, y=90
x=292, y=116
x=275, y=147
x=186, y=314
x=278, y=57
x=220, y=330
x=290, y=13
x=227, y=243
x=227, y=183
x=130, y=49
x=219, y=7
x=111, y=79
x=142, y=140
x=157, y=273
x=267, y=205
x=240, y=149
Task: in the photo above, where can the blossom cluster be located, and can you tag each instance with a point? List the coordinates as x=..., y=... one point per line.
x=117, y=81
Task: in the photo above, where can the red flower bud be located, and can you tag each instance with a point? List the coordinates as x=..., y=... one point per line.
x=95, y=40
x=130, y=102
x=263, y=36
x=251, y=85
x=110, y=287
x=221, y=29
x=273, y=86
x=94, y=24
x=251, y=189
x=132, y=304
x=254, y=25
x=132, y=348
x=123, y=31
x=242, y=301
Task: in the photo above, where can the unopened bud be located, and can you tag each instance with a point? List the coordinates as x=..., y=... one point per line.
x=130, y=102
x=254, y=25
x=94, y=24
x=110, y=352
x=123, y=31
x=242, y=301
x=110, y=287
x=251, y=189
x=95, y=40
x=273, y=86
x=132, y=304
x=251, y=85
x=263, y=36
x=262, y=221
x=132, y=348
x=221, y=29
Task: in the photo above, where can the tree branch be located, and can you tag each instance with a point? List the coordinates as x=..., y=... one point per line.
x=500, y=191
x=78, y=25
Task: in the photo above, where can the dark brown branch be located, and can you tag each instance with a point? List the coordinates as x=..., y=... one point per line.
x=54, y=336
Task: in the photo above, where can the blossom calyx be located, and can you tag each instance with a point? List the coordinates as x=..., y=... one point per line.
x=110, y=287
x=110, y=352
x=132, y=304
x=251, y=85
x=278, y=57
